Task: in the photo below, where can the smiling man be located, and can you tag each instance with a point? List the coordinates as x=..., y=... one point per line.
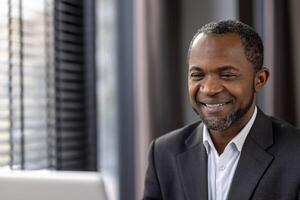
x=236, y=152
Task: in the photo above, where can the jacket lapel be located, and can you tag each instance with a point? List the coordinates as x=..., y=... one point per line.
x=254, y=159
x=192, y=165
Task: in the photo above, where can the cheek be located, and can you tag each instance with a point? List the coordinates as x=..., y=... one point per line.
x=193, y=90
x=243, y=92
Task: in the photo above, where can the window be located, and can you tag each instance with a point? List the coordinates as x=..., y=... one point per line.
x=43, y=110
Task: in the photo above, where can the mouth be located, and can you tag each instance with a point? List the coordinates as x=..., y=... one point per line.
x=215, y=107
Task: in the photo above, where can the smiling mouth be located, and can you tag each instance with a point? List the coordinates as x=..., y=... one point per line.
x=215, y=107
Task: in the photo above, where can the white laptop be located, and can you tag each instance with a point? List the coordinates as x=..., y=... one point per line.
x=51, y=185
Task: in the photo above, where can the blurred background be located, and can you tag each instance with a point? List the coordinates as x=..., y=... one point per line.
x=85, y=85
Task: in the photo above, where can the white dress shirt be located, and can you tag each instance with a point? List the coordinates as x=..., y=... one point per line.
x=221, y=168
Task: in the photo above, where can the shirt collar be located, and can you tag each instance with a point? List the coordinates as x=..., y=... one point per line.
x=238, y=140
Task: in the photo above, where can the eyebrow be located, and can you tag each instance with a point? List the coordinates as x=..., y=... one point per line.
x=222, y=68
x=227, y=67
x=194, y=68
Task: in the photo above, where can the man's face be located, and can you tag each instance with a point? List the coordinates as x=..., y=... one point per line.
x=221, y=81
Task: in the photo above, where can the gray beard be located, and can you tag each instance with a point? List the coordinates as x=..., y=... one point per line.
x=224, y=123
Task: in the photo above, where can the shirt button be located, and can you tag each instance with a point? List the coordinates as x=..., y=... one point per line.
x=222, y=168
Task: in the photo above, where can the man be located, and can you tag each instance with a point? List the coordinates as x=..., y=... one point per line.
x=236, y=152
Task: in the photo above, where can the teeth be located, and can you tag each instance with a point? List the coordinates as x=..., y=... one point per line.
x=214, y=105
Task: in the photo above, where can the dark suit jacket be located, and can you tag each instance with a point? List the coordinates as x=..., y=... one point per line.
x=268, y=168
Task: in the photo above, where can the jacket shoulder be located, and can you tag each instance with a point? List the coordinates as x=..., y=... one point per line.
x=286, y=138
x=175, y=140
x=283, y=127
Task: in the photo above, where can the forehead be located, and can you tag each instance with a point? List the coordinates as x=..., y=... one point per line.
x=217, y=49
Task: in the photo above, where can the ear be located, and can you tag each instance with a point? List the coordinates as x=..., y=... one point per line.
x=261, y=78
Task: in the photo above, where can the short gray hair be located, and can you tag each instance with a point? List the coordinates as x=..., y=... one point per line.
x=252, y=42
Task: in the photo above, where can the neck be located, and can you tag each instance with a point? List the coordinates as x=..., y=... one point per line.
x=222, y=138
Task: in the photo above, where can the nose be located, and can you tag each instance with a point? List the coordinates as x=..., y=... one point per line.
x=211, y=86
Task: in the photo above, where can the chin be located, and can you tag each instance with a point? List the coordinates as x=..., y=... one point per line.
x=223, y=123
x=218, y=124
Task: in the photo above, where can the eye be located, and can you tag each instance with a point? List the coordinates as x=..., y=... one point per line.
x=196, y=76
x=228, y=75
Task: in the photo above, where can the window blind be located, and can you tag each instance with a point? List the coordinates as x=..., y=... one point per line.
x=70, y=104
x=42, y=102
x=23, y=85
x=5, y=125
